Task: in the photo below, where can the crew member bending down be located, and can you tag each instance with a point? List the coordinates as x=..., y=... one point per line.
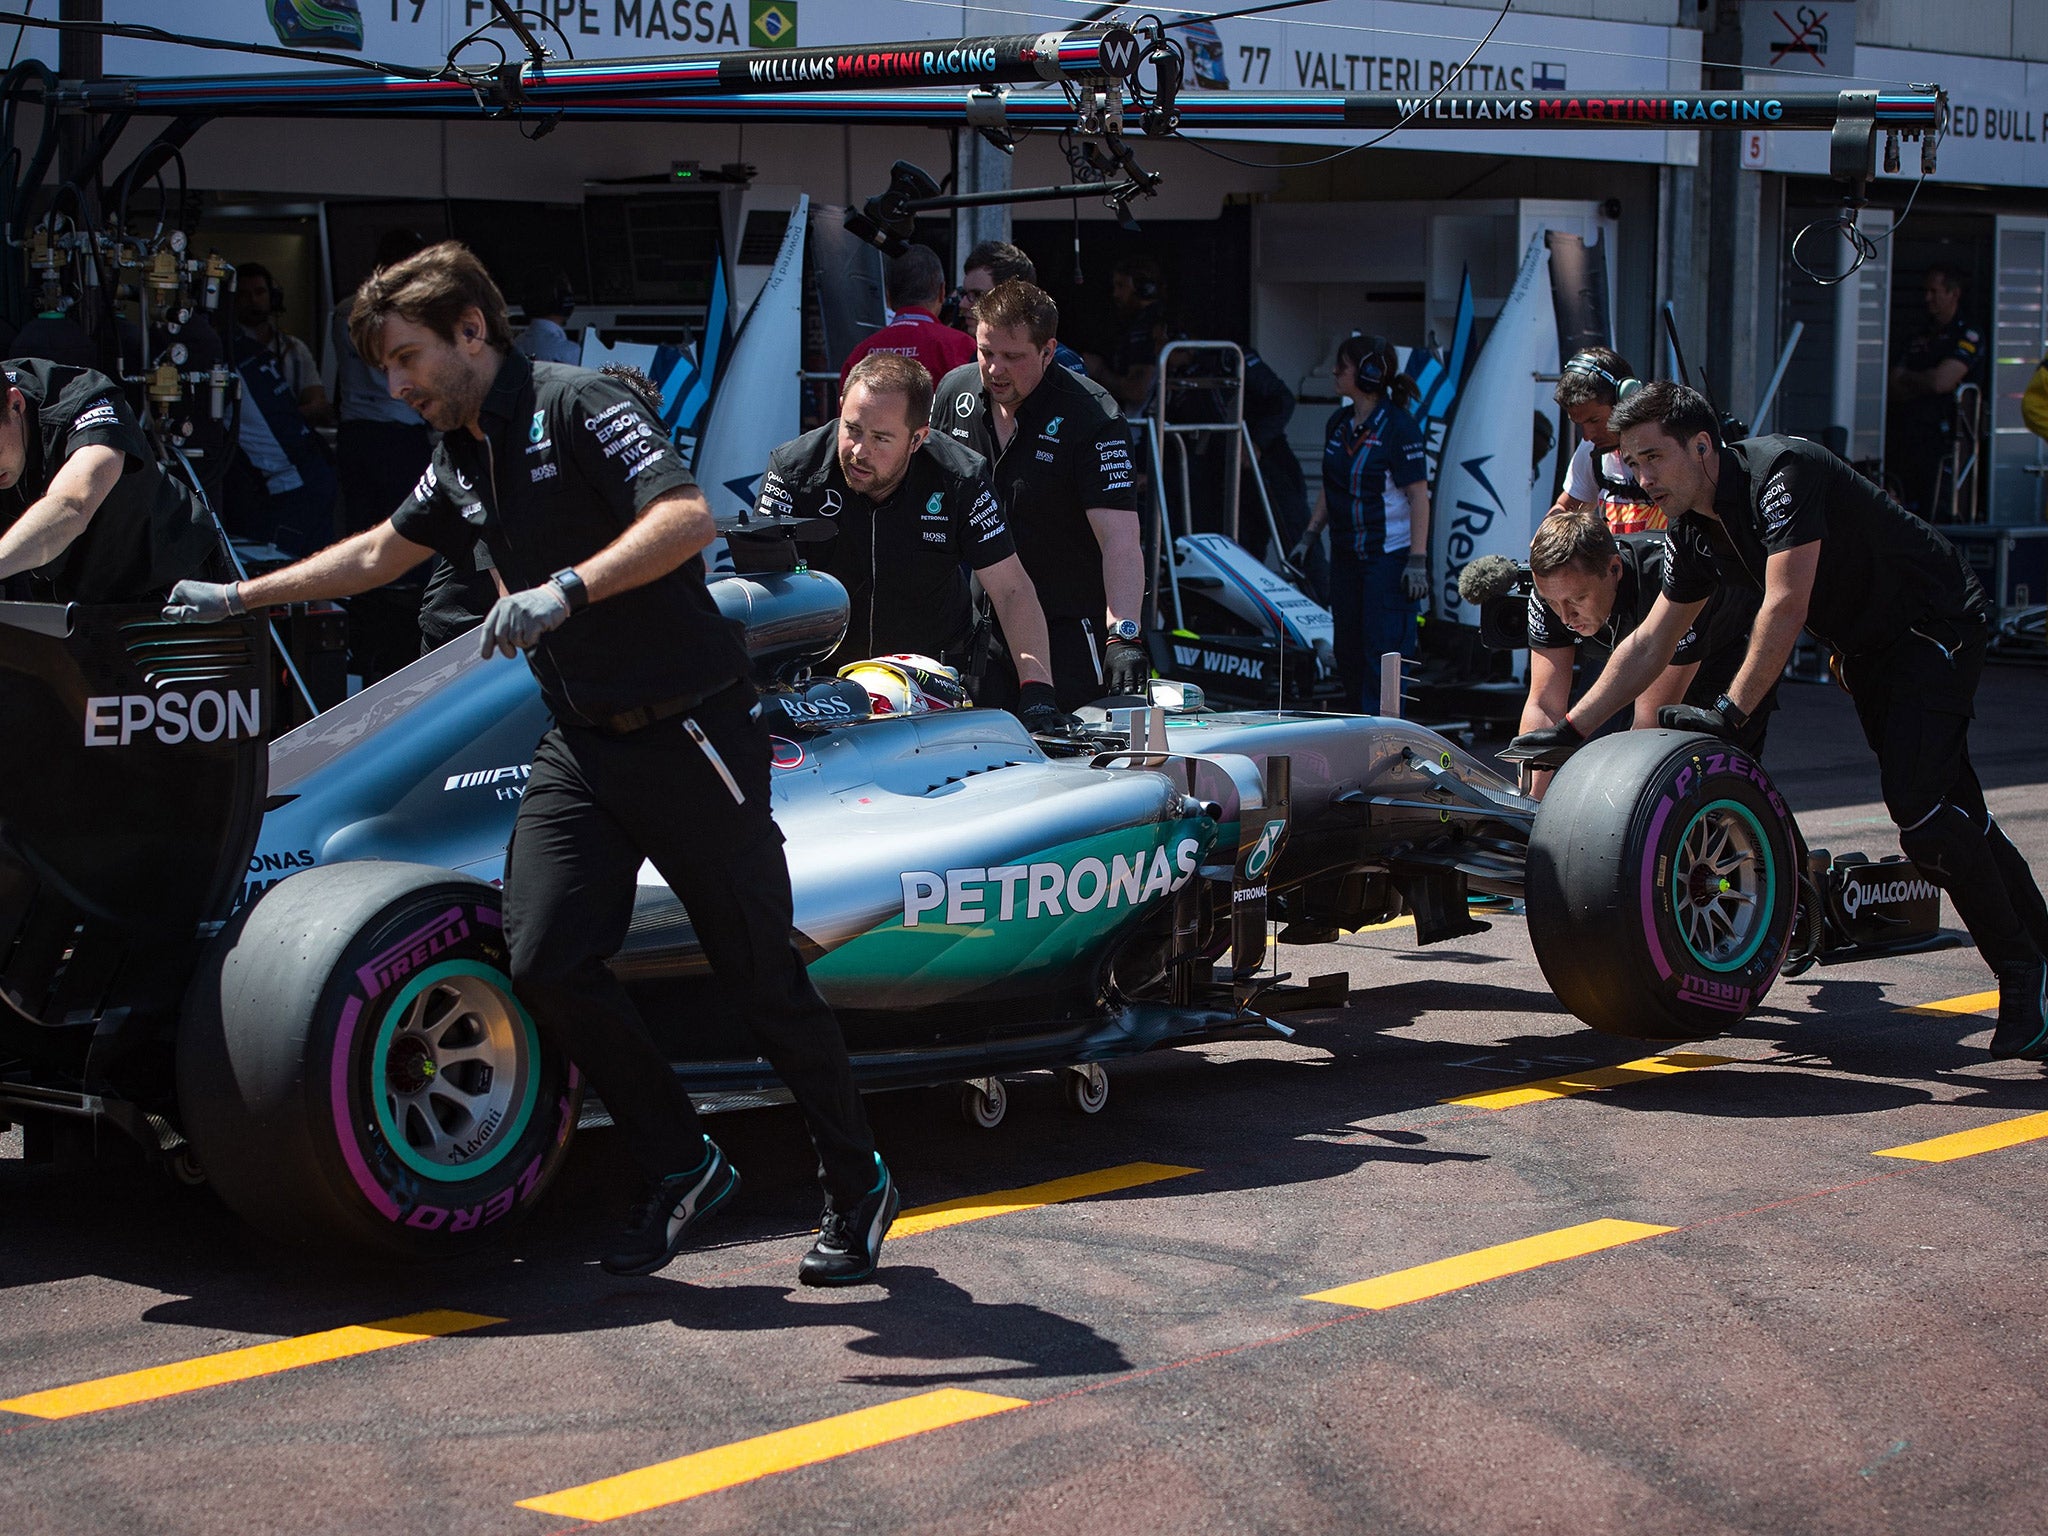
x=1592, y=592
x=86, y=516
x=598, y=533
x=1908, y=623
x=911, y=513
x=1594, y=382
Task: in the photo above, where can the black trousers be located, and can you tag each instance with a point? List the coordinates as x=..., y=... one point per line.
x=595, y=806
x=1915, y=699
x=1076, y=663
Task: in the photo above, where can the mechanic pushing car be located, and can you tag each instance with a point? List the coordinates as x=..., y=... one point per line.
x=598, y=532
x=1829, y=551
x=1593, y=591
x=1060, y=460
x=87, y=515
x=912, y=512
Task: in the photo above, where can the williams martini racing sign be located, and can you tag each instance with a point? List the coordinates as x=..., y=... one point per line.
x=420, y=32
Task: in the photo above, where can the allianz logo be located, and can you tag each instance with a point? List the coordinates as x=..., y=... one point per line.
x=1004, y=893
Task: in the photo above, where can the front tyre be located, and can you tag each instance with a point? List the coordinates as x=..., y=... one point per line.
x=1662, y=885
x=354, y=1069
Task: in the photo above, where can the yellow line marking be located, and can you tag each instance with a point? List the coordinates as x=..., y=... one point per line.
x=1585, y=1082
x=1974, y=1002
x=1399, y=922
x=243, y=1364
x=727, y=1466
x=1454, y=1274
x=1946, y=1149
x=1002, y=1202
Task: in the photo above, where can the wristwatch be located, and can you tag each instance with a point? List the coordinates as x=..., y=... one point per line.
x=577, y=594
x=1124, y=629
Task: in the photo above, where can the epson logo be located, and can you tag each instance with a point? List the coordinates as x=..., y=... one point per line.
x=1004, y=893
x=114, y=720
x=1856, y=897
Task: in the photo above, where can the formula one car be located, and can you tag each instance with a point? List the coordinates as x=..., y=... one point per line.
x=282, y=963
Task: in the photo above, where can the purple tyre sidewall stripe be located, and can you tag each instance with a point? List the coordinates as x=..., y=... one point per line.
x=344, y=1120
x=1650, y=889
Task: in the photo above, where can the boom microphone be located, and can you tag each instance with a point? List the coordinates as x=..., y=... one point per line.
x=1488, y=577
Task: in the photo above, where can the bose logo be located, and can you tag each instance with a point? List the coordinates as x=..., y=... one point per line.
x=113, y=720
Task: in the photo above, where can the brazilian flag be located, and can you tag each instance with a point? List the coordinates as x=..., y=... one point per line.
x=327, y=23
x=771, y=23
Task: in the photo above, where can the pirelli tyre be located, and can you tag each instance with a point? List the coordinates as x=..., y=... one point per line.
x=355, y=1072
x=1662, y=884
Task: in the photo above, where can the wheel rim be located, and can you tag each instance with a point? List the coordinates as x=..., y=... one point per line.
x=1724, y=885
x=454, y=1071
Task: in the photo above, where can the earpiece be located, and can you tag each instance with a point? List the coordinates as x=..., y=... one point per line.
x=1626, y=388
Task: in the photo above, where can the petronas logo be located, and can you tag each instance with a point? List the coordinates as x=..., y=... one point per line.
x=772, y=23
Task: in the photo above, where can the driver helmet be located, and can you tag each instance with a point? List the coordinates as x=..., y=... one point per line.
x=908, y=685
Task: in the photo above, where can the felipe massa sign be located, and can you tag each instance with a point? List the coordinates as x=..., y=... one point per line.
x=420, y=32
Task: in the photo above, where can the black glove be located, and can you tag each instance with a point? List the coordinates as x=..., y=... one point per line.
x=1125, y=667
x=518, y=619
x=204, y=602
x=1547, y=748
x=1041, y=713
x=1720, y=718
x=1415, y=577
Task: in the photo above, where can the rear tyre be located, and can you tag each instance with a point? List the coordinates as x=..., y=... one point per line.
x=354, y=1070
x=1662, y=885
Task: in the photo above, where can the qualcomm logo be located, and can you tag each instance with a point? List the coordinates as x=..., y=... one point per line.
x=1004, y=893
x=1264, y=849
x=1855, y=897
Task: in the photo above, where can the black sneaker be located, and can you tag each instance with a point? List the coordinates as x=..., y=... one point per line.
x=850, y=1242
x=2022, y=1011
x=669, y=1212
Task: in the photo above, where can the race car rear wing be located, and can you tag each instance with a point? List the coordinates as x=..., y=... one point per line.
x=132, y=779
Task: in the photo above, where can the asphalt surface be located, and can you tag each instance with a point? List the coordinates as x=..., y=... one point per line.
x=1805, y=1337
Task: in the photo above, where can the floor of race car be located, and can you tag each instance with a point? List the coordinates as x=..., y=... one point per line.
x=1726, y=1307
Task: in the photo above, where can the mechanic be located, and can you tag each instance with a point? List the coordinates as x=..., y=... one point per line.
x=86, y=516
x=598, y=533
x=913, y=511
x=1593, y=591
x=1594, y=381
x=548, y=307
x=915, y=287
x=1061, y=464
x=1922, y=399
x=259, y=301
x=1379, y=541
x=1138, y=294
x=1829, y=551
x=997, y=261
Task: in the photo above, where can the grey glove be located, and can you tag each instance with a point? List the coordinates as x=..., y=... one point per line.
x=1547, y=748
x=1415, y=577
x=518, y=619
x=1125, y=667
x=204, y=602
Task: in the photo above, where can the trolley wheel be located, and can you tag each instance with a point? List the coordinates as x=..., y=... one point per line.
x=983, y=1102
x=1086, y=1088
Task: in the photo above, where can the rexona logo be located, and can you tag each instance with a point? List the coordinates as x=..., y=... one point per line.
x=1857, y=896
x=1262, y=852
x=114, y=720
x=1004, y=893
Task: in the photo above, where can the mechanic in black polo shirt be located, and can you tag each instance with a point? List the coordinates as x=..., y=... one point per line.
x=1593, y=590
x=911, y=512
x=1829, y=551
x=86, y=516
x=1921, y=399
x=1061, y=462
x=597, y=531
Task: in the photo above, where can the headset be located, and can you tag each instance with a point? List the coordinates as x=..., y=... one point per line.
x=1582, y=363
x=1370, y=368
